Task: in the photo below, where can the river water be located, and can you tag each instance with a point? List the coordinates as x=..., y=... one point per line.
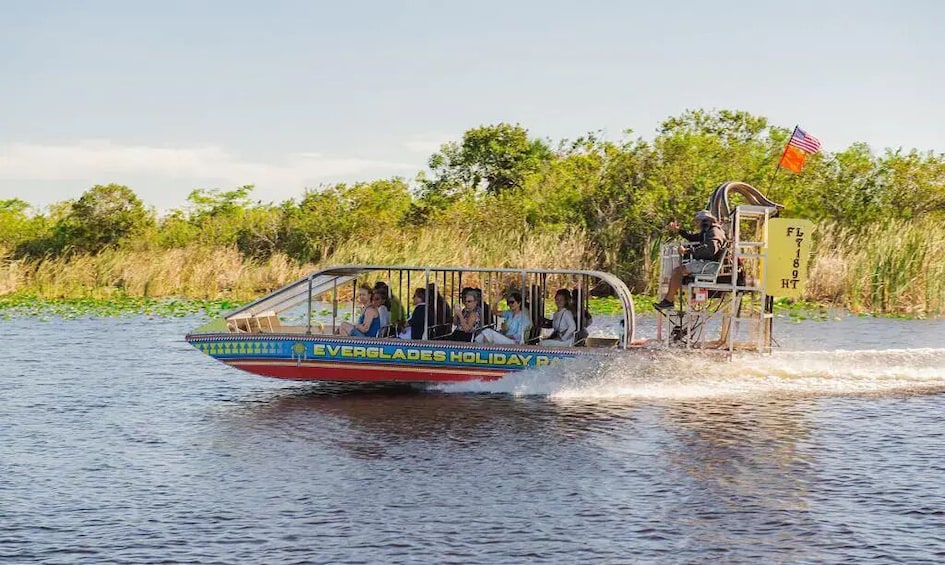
x=121, y=443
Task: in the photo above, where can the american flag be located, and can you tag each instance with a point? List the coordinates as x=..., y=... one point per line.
x=803, y=140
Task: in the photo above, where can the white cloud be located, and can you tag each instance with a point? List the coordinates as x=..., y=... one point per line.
x=429, y=143
x=103, y=159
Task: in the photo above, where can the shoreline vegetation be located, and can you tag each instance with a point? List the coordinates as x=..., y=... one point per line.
x=900, y=271
x=496, y=198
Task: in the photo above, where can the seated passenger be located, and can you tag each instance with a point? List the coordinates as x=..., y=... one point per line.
x=393, y=304
x=369, y=321
x=562, y=322
x=380, y=301
x=485, y=309
x=467, y=318
x=516, y=324
x=417, y=322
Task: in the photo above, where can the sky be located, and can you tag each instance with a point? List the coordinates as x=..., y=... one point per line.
x=169, y=96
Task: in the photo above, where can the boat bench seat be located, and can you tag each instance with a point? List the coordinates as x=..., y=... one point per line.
x=439, y=331
x=294, y=330
x=264, y=322
x=267, y=322
x=610, y=342
x=240, y=324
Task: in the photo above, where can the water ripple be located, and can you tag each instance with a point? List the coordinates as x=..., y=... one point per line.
x=122, y=444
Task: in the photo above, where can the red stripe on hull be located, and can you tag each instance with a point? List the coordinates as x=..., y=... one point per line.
x=363, y=372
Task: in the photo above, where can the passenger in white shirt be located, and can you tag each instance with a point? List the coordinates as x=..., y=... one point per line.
x=562, y=322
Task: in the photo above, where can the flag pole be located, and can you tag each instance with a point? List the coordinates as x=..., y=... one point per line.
x=777, y=167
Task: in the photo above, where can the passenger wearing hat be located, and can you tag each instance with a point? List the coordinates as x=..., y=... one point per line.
x=703, y=257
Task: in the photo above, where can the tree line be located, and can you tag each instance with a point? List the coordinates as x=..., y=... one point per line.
x=618, y=193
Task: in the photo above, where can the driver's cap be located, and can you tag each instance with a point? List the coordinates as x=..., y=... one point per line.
x=704, y=215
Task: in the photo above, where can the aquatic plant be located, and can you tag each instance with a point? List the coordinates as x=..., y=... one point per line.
x=24, y=304
x=898, y=268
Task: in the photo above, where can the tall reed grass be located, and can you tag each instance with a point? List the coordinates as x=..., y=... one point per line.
x=191, y=272
x=12, y=273
x=222, y=272
x=440, y=246
x=897, y=267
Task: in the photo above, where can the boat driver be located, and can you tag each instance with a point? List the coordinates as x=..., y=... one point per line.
x=703, y=257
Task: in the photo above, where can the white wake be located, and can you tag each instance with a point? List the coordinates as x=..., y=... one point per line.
x=668, y=375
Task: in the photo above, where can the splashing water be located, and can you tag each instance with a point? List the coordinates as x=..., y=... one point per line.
x=676, y=375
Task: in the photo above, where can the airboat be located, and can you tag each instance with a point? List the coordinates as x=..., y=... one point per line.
x=293, y=332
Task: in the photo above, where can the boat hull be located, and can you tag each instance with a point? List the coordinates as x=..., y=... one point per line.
x=333, y=358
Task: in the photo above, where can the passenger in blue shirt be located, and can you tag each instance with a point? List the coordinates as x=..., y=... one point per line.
x=369, y=322
x=516, y=324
